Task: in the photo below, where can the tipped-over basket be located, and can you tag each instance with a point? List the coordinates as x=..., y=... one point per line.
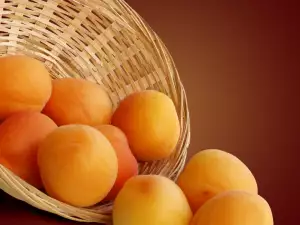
x=104, y=41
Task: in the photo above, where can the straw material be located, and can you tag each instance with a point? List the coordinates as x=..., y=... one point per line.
x=104, y=41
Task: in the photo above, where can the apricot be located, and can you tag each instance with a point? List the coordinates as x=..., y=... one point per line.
x=151, y=200
x=211, y=172
x=78, y=101
x=78, y=165
x=151, y=124
x=234, y=208
x=25, y=84
x=128, y=166
x=20, y=136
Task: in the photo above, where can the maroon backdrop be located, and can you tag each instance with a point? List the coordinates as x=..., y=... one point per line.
x=239, y=64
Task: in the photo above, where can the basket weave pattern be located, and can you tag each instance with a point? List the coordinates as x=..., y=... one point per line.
x=104, y=41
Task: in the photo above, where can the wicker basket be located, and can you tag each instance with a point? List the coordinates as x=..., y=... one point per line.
x=104, y=41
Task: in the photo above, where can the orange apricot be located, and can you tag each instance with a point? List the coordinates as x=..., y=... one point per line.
x=25, y=84
x=151, y=200
x=234, y=208
x=150, y=122
x=128, y=166
x=78, y=101
x=78, y=165
x=20, y=136
x=211, y=172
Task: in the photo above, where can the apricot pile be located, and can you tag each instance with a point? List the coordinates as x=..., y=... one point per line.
x=62, y=136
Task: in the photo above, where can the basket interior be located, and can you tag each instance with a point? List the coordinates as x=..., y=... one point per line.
x=80, y=40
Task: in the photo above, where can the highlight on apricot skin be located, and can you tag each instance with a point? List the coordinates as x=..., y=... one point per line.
x=25, y=85
x=20, y=136
x=211, y=172
x=127, y=164
x=78, y=165
x=150, y=122
x=151, y=200
x=234, y=208
x=78, y=101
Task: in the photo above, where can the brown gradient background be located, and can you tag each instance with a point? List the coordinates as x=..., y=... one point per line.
x=239, y=63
